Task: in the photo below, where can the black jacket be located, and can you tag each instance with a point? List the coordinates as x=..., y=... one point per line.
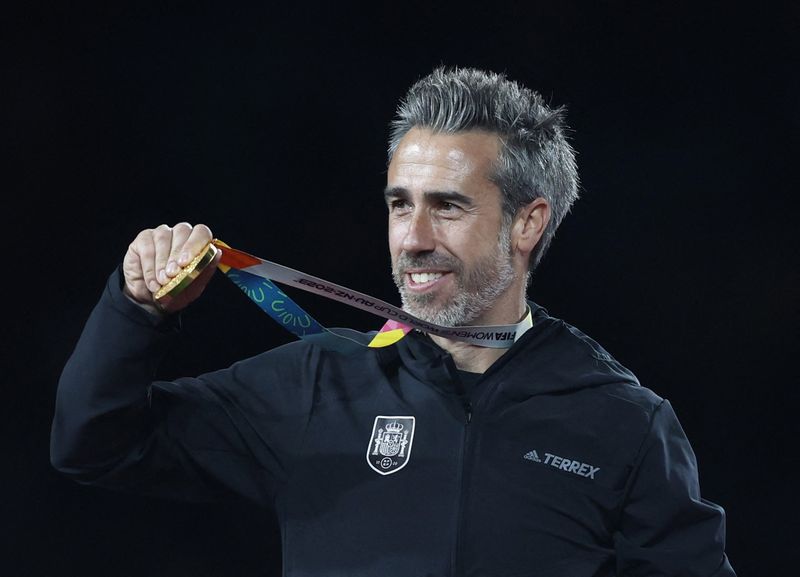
x=559, y=465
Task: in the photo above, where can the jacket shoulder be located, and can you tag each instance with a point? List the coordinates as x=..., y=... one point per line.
x=570, y=359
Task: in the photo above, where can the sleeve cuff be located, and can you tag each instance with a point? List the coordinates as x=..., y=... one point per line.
x=125, y=306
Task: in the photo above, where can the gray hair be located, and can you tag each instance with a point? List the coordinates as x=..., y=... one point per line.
x=535, y=159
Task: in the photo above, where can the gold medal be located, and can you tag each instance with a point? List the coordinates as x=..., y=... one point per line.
x=184, y=278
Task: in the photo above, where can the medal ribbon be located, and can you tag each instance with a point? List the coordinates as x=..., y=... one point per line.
x=255, y=277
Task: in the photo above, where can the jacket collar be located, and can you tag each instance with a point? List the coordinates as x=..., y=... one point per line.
x=551, y=356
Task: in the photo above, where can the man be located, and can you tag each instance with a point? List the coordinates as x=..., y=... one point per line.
x=546, y=458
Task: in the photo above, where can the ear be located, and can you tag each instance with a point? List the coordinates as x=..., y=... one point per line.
x=529, y=225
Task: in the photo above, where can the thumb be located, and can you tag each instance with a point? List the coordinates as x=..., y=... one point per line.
x=190, y=281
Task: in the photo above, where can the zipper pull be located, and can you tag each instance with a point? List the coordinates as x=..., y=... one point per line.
x=468, y=410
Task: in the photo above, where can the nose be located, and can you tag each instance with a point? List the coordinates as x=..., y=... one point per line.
x=419, y=236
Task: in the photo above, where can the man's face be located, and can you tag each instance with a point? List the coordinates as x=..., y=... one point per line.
x=450, y=246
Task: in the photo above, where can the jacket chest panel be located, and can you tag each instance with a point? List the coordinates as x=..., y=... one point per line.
x=344, y=509
x=551, y=471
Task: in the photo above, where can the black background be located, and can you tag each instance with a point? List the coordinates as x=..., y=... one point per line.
x=269, y=124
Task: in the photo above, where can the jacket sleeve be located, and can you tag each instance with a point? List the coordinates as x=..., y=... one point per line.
x=223, y=434
x=666, y=527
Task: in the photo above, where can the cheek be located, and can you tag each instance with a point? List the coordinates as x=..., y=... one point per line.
x=396, y=233
x=463, y=241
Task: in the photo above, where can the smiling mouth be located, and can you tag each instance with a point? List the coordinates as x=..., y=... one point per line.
x=424, y=277
x=422, y=280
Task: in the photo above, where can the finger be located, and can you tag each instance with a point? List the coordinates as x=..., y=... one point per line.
x=144, y=247
x=197, y=240
x=196, y=287
x=180, y=233
x=162, y=242
x=135, y=284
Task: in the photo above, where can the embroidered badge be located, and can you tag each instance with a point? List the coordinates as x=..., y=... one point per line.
x=389, y=448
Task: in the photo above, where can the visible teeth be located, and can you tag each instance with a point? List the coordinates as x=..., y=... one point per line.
x=423, y=277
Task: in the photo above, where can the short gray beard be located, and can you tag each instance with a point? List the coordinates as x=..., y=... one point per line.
x=476, y=292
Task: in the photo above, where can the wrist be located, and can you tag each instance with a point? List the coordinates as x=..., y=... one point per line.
x=151, y=308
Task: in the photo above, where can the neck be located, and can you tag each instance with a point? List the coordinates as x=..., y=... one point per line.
x=475, y=359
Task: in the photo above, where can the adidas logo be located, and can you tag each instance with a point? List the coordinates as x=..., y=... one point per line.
x=568, y=465
x=533, y=456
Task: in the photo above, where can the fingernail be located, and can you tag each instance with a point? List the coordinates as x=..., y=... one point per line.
x=154, y=286
x=172, y=268
x=184, y=259
x=162, y=276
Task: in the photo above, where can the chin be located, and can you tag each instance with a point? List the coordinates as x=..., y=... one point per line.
x=452, y=316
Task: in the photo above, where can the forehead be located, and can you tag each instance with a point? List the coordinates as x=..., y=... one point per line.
x=460, y=156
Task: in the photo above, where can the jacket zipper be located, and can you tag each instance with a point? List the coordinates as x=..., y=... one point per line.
x=456, y=561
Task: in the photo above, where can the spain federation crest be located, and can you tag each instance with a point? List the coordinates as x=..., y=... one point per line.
x=390, y=445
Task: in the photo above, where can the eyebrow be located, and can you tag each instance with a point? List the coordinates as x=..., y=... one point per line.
x=432, y=195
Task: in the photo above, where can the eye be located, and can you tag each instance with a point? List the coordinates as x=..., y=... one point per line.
x=448, y=208
x=399, y=205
